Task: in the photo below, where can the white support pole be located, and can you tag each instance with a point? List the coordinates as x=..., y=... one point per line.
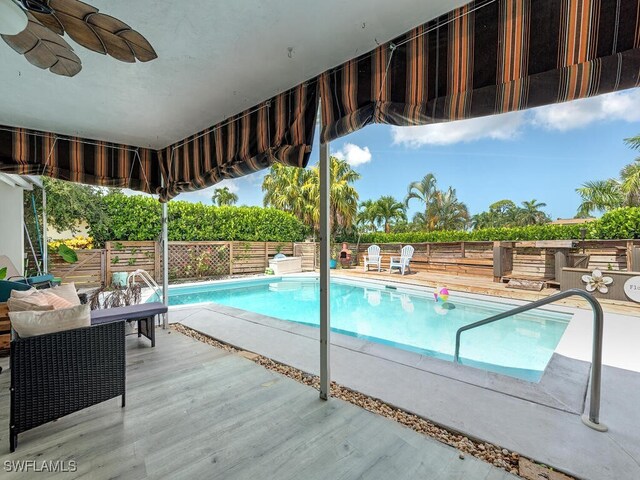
x=45, y=238
x=325, y=241
x=165, y=261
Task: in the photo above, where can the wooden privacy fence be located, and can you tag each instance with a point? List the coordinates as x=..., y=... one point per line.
x=187, y=260
x=89, y=270
x=534, y=260
x=456, y=258
x=130, y=256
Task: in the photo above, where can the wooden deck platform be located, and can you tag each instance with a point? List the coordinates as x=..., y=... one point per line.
x=194, y=411
x=481, y=286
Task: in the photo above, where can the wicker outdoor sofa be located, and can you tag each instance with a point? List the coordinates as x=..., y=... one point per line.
x=60, y=373
x=55, y=374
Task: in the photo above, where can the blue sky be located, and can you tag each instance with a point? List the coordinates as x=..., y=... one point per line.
x=542, y=153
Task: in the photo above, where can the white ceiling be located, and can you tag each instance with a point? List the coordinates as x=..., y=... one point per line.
x=215, y=59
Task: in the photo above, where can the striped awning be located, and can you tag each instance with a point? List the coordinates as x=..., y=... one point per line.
x=30, y=152
x=278, y=130
x=489, y=57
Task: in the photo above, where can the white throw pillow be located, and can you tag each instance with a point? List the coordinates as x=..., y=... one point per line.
x=68, y=292
x=30, y=324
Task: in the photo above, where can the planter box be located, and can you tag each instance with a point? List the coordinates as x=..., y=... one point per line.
x=280, y=266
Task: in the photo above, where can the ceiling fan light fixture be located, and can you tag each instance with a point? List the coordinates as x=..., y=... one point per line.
x=13, y=19
x=38, y=6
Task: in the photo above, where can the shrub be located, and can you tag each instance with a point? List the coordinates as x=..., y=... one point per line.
x=619, y=223
x=138, y=218
x=75, y=243
x=533, y=232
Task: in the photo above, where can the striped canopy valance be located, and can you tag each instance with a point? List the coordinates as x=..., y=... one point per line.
x=30, y=152
x=485, y=58
x=491, y=56
x=278, y=130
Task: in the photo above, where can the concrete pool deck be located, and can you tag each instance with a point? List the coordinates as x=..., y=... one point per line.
x=540, y=421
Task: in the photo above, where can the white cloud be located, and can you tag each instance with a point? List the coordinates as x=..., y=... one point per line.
x=497, y=127
x=231, y=184
x=353, y=154
x=561, y=117
x=579, y=113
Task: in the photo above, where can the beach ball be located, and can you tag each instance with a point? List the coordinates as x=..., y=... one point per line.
x=441, y=293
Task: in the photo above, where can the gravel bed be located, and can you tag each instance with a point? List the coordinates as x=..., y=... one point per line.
x=497, y=456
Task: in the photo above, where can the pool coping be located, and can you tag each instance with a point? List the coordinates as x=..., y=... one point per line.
x=557, y=387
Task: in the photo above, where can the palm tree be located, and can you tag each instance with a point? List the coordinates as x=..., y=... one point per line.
x=424, y=191
x=530, y=213
x=223, y=196
x=603, y=195
x=285, y=189
x=343, y=204
x=630, y=183
x=366, y=216
x=600, y=195
x=449, y=213
x=297, y=191
x=388, y=211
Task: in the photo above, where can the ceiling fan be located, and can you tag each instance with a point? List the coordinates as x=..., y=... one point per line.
x=34, y=28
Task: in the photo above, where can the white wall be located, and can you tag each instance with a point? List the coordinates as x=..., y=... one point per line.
x=11, y=230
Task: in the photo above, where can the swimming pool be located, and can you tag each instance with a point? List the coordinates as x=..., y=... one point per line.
x=520, y=346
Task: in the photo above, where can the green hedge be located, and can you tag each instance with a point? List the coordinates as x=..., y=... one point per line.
x=619, y=223
x=622, y=223
x=136, y=218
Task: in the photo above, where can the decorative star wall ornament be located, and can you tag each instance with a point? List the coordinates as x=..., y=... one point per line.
x=596, y=281
x=43, y=45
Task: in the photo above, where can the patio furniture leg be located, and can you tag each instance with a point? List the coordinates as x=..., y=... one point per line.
x=123, y=400
x=13, y=440
x=146, y=327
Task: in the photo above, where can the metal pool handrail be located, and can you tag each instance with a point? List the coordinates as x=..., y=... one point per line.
x=592, y=420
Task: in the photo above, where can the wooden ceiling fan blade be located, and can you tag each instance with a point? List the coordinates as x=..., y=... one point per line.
x=108, y=28
x=44, y=48
x=99, y=32
x=22, y=42
x=49, y=21
x=81, y=32
x=140, y=45
x=74, y=8
x=41, y=56
x=67, y=67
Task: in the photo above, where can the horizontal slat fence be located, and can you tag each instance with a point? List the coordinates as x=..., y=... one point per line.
x=459, y=258
x=253, y=257
x=200, y=260
x=88, y=271
x=130, y=256
x=533, y=263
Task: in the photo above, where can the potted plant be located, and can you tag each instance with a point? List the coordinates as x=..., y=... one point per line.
x=333, y=262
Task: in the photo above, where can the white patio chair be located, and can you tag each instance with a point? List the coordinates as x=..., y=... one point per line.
x=402, y=262
x=372, y=257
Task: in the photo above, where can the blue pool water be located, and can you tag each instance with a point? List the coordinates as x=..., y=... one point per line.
x=519, y=346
